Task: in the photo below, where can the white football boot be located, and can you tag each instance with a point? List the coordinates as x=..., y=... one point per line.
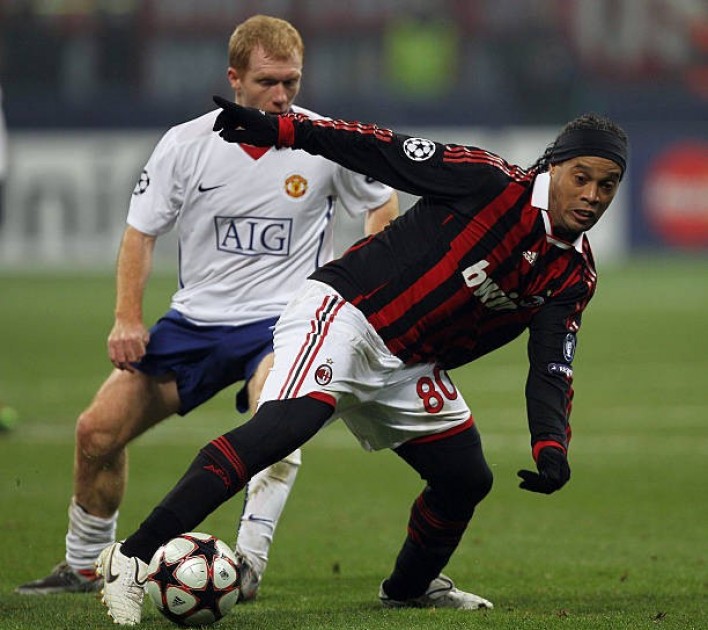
x=441, y=593
x=124, y=581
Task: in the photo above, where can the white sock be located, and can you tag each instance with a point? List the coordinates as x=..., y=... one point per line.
x=266, y=496
x=87, y=536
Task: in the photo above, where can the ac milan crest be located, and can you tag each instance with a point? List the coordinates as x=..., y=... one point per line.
x=323, y=374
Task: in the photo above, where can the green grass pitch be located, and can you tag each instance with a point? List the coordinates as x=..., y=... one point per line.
x=622, y=546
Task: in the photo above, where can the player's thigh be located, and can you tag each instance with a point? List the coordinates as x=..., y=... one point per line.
x=414, y=402
x=129, y=403
x=256, y=382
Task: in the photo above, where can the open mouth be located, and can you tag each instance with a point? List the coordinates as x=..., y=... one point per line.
x=583, y=216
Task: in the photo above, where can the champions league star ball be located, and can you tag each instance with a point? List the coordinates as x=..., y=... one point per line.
x=418, y=149
x=193, y=579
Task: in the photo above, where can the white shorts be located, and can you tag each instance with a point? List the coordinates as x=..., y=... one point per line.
x=325, y=348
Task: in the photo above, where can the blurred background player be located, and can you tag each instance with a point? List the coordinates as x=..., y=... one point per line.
x=3, y=158
x=252, y=223
x=8, y=415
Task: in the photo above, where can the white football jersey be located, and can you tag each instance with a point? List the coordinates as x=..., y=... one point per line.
x=252, y=222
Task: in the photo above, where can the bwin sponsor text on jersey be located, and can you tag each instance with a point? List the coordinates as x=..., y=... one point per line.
x=491, y=294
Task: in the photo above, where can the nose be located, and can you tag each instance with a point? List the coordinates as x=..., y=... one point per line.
x=591, y=193
x=279, y=94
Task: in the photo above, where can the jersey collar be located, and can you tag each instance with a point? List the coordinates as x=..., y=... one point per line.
x=539, y=199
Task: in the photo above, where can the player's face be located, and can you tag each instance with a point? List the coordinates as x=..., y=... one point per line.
x=581, y=190
x=268, y=84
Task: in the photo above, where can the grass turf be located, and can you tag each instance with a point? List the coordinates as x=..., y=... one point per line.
x=622, y=546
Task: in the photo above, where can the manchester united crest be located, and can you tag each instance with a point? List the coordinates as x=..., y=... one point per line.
x=295, y=186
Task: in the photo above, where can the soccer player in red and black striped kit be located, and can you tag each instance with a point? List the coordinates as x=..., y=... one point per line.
x=490, y=250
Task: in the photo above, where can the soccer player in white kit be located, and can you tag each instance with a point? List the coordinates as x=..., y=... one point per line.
x=252, y=224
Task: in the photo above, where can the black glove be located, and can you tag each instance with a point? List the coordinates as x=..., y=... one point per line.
x=236, y=123
x=553, y=472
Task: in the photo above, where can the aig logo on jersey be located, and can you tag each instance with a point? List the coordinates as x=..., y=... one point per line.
x=253, y=236
x=295, y=186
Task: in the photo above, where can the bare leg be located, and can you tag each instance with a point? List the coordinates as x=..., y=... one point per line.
x=126, y=405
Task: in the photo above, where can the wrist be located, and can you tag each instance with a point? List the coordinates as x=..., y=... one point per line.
x=286, y=131
x=127, y=318
x=540, y=445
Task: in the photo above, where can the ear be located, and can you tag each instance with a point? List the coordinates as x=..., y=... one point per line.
x=234, y=79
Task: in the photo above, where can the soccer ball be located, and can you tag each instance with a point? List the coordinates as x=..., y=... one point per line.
x=193, y=579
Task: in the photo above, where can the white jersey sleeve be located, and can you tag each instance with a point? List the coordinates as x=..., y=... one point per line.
x=359, y=193
x=252, y=223
x=157, y=196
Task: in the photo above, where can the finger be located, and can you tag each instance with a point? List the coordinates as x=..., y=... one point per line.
x=219, y=123
x=533, y=482
x=116, y=354
x=530, y=486
x=236, y=135
x=527, y=475
x=128, y=367
x=537, y=486
x=137, y=352
x=221, y=102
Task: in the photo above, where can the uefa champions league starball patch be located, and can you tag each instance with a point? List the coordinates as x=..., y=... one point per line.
x=418, y=149
x=143, y=182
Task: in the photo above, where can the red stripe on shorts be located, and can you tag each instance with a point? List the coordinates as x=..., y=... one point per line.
x=327, y=323
x=313, y=342
x=433, y=437
x=327, y=399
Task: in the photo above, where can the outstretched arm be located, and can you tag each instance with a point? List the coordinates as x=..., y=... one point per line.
x=415, y=165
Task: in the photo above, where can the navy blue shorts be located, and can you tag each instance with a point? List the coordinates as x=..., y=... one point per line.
x=206, y=359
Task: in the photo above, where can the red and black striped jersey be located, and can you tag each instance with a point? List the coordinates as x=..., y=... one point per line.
x=469, y=267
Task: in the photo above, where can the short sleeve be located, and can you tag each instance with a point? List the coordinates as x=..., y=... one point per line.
x=158, y=194
x=359, y=193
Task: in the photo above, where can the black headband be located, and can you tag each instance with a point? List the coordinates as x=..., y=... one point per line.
x=597, y=142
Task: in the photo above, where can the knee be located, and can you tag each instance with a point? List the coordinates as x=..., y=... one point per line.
x=480, y=483
x=95, y=440
x=476, y=482
x=461, y=494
